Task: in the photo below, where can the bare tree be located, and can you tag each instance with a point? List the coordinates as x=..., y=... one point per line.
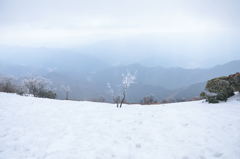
x=149, y=100
x=35, y=84
x=67, y=90
x=127, y=80
x=39, y=87
x=115, y=98
x=7, y=85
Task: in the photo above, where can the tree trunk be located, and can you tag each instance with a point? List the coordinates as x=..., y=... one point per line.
x=123, y=99
x=67, y=94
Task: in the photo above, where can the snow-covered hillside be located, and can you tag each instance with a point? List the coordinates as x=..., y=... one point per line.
x=33, y=128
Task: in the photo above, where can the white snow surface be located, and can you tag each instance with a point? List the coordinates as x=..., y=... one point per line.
x=34, y=128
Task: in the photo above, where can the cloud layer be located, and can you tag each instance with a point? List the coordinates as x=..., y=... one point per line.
x=190, y=28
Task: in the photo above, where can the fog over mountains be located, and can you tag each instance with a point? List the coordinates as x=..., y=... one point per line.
x=87, y=76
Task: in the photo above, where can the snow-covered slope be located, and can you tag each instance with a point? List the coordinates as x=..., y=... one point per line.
x=33, y=128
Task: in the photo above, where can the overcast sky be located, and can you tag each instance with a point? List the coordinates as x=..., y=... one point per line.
x=189, y=33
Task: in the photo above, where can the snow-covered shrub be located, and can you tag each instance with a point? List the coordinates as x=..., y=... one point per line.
x=7, y=85
x=210, y=97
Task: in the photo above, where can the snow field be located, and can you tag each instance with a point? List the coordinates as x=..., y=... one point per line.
x=34, y=128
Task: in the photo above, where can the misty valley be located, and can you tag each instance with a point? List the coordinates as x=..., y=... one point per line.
x=89, y=81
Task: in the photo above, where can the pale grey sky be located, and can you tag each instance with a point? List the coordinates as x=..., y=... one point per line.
x=196, y=30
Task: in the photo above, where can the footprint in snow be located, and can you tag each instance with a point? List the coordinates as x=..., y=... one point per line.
x=113, y=155
x=115, y=142
x=129, y=138
x=138, y=146
x=119, y=121
x=3, y=135
x=202, y=157
x=186, y=124
x=218, y=154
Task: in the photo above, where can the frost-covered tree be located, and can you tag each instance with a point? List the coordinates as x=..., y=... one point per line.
x=149, y=100
x=127, y=80
x=116, y=98
x=7, y=85
x=67, y=90
x=39, y=87
x=119, y=97
x=35, y=84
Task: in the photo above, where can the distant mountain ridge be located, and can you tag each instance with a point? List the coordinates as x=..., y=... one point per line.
x=88, y=78
x=169, y=78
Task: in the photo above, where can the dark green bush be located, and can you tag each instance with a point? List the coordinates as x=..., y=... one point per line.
x=212, y=99
x=220, y=89
x=203, y=95
x=235, y=81
x=46, y=94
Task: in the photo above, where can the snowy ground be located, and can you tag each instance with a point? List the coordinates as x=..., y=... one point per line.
x=32, y=128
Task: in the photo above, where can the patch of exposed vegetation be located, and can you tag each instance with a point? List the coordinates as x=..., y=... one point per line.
x=221, y=88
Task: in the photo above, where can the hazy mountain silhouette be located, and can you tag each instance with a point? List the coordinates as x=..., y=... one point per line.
x=88, y=76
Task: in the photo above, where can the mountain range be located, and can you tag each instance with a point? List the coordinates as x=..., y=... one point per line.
x=88, y=77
